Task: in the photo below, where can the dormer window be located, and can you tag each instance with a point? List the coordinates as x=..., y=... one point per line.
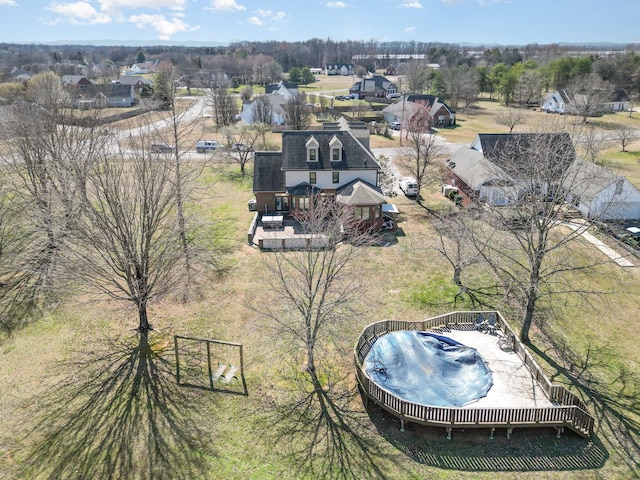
x=336, y=149
x=312, y=149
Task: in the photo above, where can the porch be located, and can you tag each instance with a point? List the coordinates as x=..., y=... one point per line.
x=284, y=233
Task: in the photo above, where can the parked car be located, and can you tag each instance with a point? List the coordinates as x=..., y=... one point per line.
x=241, y=147
x=340, y=97
x=204, y=145
x=394, y=95
x=161, y=147
x=409, y=186
x=395, y=126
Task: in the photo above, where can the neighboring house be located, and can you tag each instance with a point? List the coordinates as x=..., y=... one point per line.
x=390, y=70
x=141, y=68
x=102, y=96
x=20, y=75
x=278, y=95
x=136, y=81
x=332, y=161
x=479, y=173
x=561, y=102
x=375, y=86
x=286, y=89
x=75, y=80
x=556, y=102
x=480, y=170
x=602, y=194
x=339, y=69
x=277, y=101
x=441, y=114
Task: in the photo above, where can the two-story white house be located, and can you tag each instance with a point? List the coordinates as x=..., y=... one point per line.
x=335, y=161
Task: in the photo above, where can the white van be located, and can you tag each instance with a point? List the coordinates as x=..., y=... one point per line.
x=204, y=145
x=409, y=186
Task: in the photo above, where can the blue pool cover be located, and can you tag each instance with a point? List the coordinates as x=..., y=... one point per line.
x=429, y=369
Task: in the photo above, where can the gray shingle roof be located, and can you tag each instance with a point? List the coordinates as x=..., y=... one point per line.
x=359, y=192
x=508, y=149
x=354, y=154
x=268, y=175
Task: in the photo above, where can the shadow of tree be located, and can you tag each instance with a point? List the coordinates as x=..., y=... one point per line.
x=612, y=403
x=322, y=436
x=474, y=451
x=119, y=413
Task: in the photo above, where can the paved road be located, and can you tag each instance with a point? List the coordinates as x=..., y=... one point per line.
x=392, y=153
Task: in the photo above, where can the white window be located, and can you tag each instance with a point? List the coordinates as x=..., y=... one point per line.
x=336, y=149
x=312, y=149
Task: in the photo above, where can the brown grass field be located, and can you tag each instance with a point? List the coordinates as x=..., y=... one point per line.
x=75, y=404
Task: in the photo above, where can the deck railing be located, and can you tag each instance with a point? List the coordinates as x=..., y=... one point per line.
x=570, y=411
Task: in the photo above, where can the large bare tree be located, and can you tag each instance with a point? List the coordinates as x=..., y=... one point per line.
x=522, y=240
x=262, y=110
x=511, y=118
x=588, y=94
x=50, y=149
x=177, y=124
x=127, y=239
x=241, y=141
x=223, y=104
x=296, y=112
x=422, y=148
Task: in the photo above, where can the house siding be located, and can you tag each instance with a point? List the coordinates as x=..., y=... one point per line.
x=324, y=178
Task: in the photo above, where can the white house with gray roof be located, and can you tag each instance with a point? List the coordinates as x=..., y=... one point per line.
x=333, y=161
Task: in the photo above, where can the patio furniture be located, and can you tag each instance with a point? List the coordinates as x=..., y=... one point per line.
x=272, y=221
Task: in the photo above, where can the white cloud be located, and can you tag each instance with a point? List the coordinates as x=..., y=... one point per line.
x=226, y=6
x=335, y=4
x=410, y=30
x=7, y=3
x=255, y=21
x=410, y=4
x=116, y=6
x=78, y=13
x=264, y=13
x=166, y=28
x=280, y=16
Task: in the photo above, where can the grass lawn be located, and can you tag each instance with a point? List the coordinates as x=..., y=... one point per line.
x=80, y=400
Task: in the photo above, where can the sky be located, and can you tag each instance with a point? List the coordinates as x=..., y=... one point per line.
x=487, y=22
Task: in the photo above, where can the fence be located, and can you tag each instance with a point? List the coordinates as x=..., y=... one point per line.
x=570, y=411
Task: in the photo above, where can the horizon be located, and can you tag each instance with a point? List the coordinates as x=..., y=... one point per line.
x=223, y=22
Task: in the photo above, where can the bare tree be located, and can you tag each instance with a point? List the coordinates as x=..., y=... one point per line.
x=246, y=94
x=296, y=112
x=315, y=291
x=127, y=241
x=319, y=286
x=588, y=94
x=522, y=241
x=625, y=136
x=590, y=142
x=511, y=118
x=175, y=127
x=530, y=87
x=50, y=149
x=415, y=77
x=422, y=148
x=461, y=84
x=224, y=106
x=262, y=110
x=241, y=141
